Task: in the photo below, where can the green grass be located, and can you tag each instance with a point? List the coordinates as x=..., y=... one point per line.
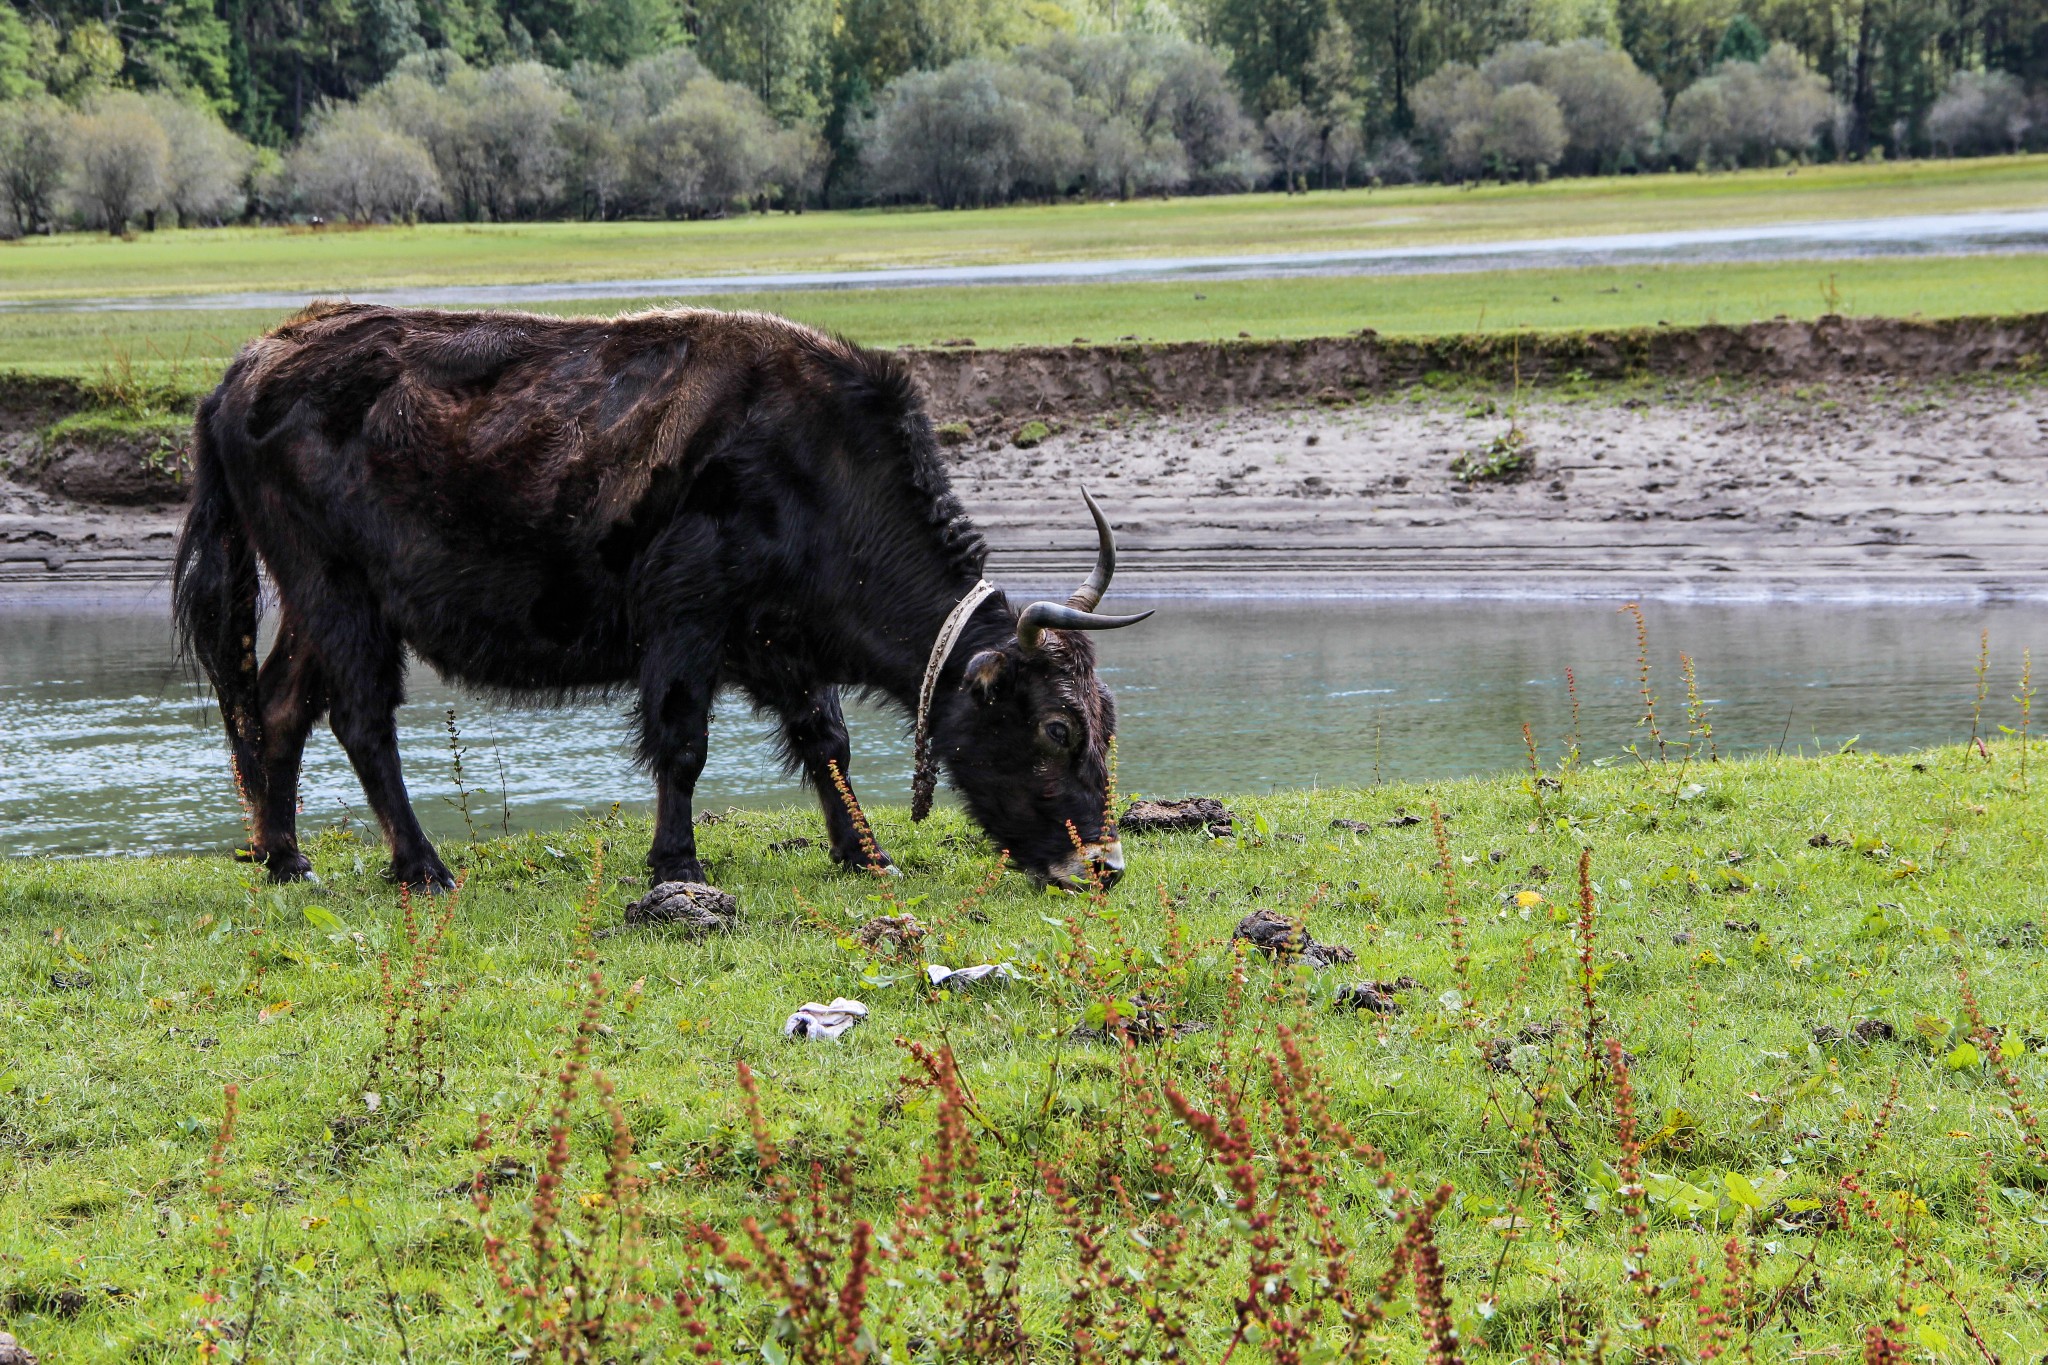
x=204, y=261
x=196, y=344
x=112, y=1093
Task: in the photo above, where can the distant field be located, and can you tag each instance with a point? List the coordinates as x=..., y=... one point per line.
x=198, y=343
x=334, y=261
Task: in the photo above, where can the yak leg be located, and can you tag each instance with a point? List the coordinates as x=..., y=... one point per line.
x=814, y=731
x=678, y=681
x=291, y=693
x=366, y=682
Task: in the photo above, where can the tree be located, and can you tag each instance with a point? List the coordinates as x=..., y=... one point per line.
x=119, y=159
x=1334, y=97
x=1197, y=103
x=208, y=164
x=1741, y=41
x=712, y=147
x=491, y=132
x=32, y=161
x=775, y=48
x=1611, y=109
x=976, y=132
x=89, y=61
x=1453, y=108
x=1525, y=129
x=1750, y=111
x=351, y=166
x=1292, y=138
x=1980, y=111
x=23, y=60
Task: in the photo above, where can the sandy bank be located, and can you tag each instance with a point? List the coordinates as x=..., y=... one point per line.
x=1838, y=460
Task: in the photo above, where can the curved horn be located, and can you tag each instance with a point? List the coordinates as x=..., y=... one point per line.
x=1039, y=617
x=1089, y=595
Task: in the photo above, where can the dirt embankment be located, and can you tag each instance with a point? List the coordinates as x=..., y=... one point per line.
x=1077, y=380
x=1842, y=467
x=49, y=442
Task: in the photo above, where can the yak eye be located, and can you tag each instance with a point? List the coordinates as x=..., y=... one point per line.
x=1057, y=733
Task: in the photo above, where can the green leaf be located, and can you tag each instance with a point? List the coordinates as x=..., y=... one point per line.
x=1964, y=1057
x=321, y=918
x=2011, y=1047
x=1932, y=1339
x=1259, y=823
x=1741, y=1191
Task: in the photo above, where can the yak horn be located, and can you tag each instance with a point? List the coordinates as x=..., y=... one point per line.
x=1089, y=595
x=1039, y=617
x=1078, y=612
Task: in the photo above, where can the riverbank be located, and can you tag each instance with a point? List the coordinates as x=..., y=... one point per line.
x=1774, y=946
x=1841, y=460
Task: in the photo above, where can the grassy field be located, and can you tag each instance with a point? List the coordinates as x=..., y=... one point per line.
x=1771, y=1179
x=85, y=265
x=197, y=344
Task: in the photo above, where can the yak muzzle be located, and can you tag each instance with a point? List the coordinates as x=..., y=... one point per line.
x=1101, y=863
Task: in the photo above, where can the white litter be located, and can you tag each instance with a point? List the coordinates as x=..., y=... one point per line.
x=825, y=1021
x=953, y=978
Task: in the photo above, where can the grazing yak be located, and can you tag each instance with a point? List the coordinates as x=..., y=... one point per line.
x=674, y=501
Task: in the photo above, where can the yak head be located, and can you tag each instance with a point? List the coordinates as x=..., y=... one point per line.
x=1026, y=735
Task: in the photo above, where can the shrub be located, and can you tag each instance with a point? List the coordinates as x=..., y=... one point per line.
x=977, y=132
x=1452, y=109
x=713, y=145
x=1293, y=138
x=1611, y=109
x=120, y=160
x=208, y=165
x=1525, y=129
x=32, y=160
x=1748, y=111
x=353, y=167
x=490, y=132
x=1980, y=111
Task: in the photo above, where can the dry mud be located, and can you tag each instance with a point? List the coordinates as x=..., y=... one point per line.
x=1857, y=489
x=1837, y=459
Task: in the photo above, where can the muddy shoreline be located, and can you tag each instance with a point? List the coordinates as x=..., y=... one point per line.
x=1837, y=460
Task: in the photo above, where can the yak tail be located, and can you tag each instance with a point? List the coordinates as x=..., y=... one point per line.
x=214, y=598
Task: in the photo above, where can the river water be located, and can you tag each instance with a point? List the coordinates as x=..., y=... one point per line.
x=108, y=746
x=1930, y=234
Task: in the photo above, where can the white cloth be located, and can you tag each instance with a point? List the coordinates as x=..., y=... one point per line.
x=953, y=978
x=825, y=1021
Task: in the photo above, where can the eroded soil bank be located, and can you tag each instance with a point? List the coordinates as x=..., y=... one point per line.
x=1836, y=459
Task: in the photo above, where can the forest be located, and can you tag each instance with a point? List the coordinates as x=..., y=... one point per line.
x=120, y=113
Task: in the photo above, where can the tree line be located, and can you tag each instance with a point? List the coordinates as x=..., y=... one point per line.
x=118, y=112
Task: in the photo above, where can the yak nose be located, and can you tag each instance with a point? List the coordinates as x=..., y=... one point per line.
x=1099, y=863
x=1107, y=860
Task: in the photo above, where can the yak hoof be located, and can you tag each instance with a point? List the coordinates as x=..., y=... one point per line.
x=429, y=876
x=857, y=861
x=289, y=865
x=689, y=871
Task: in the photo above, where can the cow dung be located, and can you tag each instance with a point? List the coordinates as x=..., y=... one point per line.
x=700, y=909
x=1275, y=935
x=13, y=1352
x=1196, y=812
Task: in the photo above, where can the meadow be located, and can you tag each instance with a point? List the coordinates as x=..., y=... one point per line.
x=187, y=349
x=338, y=260
x=1668, y=1058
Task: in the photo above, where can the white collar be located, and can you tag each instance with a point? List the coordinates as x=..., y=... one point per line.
x=924, y=779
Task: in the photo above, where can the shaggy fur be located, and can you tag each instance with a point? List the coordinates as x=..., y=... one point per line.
x=670, y=501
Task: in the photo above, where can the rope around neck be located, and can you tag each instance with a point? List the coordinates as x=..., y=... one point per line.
x=925, y=778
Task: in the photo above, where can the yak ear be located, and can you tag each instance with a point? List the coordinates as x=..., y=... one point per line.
x=985, y=673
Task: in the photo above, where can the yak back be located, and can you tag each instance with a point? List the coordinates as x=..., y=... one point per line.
x=498, y=473
x=535, y=421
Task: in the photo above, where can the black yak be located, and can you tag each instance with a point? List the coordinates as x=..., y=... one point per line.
x=672, y=501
